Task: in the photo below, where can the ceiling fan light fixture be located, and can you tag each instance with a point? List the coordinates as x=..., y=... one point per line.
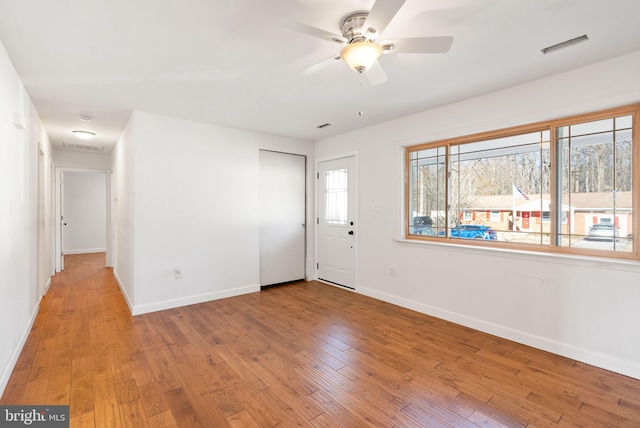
x=360, y=56
x=84, y=135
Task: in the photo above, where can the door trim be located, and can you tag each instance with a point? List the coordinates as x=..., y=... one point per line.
x=316, y=173
x=59, y=171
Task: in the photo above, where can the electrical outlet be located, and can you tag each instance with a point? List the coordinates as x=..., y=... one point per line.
x=177, y=272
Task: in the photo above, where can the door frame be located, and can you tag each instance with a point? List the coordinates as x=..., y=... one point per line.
x=316, y=225
x=58, y=209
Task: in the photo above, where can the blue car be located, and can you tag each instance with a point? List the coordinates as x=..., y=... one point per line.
x=472, y=231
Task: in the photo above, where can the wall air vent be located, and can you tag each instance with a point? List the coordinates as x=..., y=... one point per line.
x=82, y=147
x=324, y=125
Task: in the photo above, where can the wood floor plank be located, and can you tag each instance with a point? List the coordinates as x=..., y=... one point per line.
x=335, y=410
x=389, y=407
x=243, y=420
x=84, y=420
x=35, y=391
x=282, y=406
x=226, y=401
x=302, y=354
x=261, y=412
x=153, y=400
x=195, y=392
x=106, y=409
x=181, y=409
x=132, y=415
x=127, y=391
x=57, y=396
x=14, y=391
x=163, y=420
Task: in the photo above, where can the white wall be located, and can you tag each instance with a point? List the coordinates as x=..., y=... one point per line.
x=582, y=308
x=19, y=253
x=85, y=209
x=195, y=205
x=80, y=160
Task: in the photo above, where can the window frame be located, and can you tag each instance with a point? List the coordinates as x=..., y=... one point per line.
x=551, y=126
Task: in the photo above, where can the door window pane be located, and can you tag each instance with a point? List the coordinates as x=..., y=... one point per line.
x=335, y=205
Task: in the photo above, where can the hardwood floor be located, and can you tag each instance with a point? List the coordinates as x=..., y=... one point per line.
x=304, y=354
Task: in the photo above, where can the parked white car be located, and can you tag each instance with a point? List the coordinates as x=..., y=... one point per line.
x=602, y=232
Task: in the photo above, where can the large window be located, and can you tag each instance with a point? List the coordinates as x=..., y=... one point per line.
x=568, y=185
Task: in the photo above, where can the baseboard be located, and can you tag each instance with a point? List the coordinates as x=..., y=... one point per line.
x=192, y=300
x=46, y=287
x=607, y=362
x=6, y=374
x=85, y=251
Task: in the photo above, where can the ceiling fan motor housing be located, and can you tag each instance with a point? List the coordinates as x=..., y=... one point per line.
x=353, y=27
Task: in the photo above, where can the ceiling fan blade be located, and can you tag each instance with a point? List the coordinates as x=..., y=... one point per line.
x=376, y=74
x=420, y=45
x=319, y=65
x=299, y=27
x=381, y=15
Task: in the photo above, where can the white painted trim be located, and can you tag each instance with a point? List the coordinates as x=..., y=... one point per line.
x=192, y=300
x=59, y=170
x=46, y=287
x=6, y=375
x=625, y=367
x=86, y=251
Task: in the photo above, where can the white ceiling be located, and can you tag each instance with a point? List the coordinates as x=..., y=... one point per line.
x=232, y=62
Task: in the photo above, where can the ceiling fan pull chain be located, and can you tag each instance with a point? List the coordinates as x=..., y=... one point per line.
x=361, y=111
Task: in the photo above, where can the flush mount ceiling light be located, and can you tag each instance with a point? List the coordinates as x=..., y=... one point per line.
x=564, y=44
x=360, y=56
x=84, y=135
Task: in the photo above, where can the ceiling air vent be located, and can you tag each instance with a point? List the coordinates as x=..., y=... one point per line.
x=564, y=44
x=83, y=147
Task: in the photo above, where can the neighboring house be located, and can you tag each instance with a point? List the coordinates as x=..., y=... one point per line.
x=583, y=211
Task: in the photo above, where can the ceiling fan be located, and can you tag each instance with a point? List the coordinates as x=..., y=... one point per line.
x=360, y=34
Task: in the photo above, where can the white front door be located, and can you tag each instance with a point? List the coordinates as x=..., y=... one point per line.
x=337, y=221
x=282, y=217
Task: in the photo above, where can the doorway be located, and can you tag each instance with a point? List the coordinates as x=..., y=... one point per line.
x=337, y=221
x=282, y=217
x=84, y=211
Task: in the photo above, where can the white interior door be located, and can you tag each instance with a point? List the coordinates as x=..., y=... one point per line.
x=282, y=217
x=337, y=221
